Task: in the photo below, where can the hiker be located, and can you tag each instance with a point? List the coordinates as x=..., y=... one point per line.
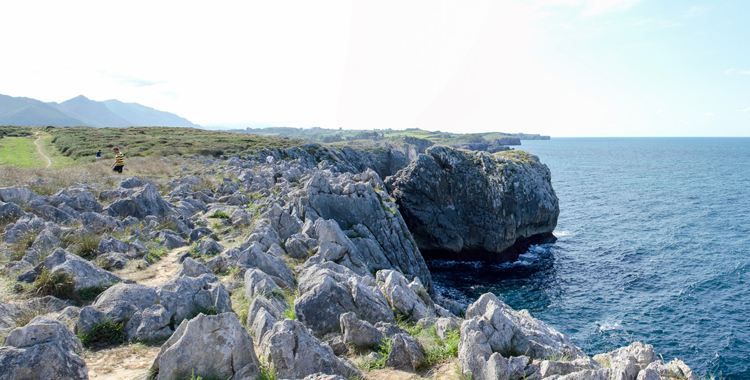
x=99, y=155
x=269, y=160
x=119, y=161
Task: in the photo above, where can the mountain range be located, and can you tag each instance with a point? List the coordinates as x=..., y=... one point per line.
x=81, y=111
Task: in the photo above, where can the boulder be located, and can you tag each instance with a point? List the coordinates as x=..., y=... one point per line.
x=10, y=212
x=295, y=353
x=19, y=196
x=465, y=205
x=406, y=353
x=98, y=223
x=214, y=346
x=630, y=360
x=254, y=257
x=85, y=274
x=43, y=349
x=143, y=202
x=209, y=246
x=658, y=370
x=509, y=331
x=360, y=334
x=328, y=290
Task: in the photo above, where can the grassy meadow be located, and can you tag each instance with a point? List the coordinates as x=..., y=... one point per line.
x=147, y=150
x=19, y=152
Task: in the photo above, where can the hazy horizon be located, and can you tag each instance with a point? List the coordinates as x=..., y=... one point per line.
x=563, y=68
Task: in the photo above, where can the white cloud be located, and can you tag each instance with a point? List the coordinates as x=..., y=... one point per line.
x=745, y=110
x=710, y=114
x=695, y=11
x=746, y=72
x=730, y=71
x=591, y=7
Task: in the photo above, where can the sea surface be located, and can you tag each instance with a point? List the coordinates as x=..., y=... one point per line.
x=653, y=245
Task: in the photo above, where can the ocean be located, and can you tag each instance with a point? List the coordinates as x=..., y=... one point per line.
x=653, y=246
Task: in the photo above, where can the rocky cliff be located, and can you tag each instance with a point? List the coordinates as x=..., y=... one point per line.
x=299, y=269
x=467, y=205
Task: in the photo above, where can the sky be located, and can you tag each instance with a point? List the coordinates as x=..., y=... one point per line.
x=563, y=68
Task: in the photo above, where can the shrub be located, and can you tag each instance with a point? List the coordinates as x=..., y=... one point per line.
x=82, y=243
x=24, y=242
x=104, y=333
x=59, y=285
x=220, y=215
x=267, y=372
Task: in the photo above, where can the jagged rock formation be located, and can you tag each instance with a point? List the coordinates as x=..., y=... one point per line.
x=208, y=345
x=498, y=342
x=465, y=205
x=321, y=253
x=43, y=349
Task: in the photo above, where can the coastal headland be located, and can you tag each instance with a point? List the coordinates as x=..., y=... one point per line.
x=208, y=259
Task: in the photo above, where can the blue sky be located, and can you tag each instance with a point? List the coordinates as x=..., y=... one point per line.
x=556, y=67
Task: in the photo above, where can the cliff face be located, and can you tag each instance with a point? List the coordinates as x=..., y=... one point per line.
x=464, y=205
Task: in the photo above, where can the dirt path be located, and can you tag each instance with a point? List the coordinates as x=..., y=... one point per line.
x=39, y=149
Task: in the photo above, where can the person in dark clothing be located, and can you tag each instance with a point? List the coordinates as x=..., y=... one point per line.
x=99, y=155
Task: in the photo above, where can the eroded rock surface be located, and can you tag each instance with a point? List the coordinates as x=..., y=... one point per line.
x=466, y=205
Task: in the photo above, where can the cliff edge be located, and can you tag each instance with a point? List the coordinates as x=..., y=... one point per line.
x=468, y=206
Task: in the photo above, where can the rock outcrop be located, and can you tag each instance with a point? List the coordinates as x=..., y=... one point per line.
x=465, y=205
x=43, y=349
x=215, y=346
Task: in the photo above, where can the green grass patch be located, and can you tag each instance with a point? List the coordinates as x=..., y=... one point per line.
x=82, y=243
x=82, y=142
x=20, y=152
x=59, y=285
x=221, y=215
x=18, y=249
x=267, y=372
x=104, y=333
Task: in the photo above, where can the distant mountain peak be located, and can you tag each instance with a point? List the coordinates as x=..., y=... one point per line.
x=81, y=110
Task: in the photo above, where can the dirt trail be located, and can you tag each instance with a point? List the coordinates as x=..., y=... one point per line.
x=132, y=361
x=39, y=149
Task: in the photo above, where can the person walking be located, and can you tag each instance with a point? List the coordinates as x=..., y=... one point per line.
x=119, y=161
x=99, y=155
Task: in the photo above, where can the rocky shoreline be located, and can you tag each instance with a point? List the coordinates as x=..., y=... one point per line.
x=308, y=268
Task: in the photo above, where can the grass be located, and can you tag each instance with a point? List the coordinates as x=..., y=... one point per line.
x=104, y=333
x=19, y=248
x=220, y=215
x=240, y=305
x=58, y=284
x=156, y=253
x=290, y=296
x=267, y=372
x=384, y=350
x=82, y=243
x=20, y=152
x=80, y=142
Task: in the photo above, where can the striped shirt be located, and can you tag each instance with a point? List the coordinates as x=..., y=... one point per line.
x=119, y=159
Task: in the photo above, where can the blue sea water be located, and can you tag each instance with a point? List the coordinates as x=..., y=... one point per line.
x=653, y=245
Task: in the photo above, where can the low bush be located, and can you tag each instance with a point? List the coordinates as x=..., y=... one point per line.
x=104, y=333
x=59, y=285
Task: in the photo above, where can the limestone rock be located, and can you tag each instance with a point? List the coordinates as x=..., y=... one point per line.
x=208, y=345
x=143, y=202
x=406, y=353
x=465, y=205
x=328, y=290
x=85, y=274
x=360, y=334
x=295, y=353
x=43, y=349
